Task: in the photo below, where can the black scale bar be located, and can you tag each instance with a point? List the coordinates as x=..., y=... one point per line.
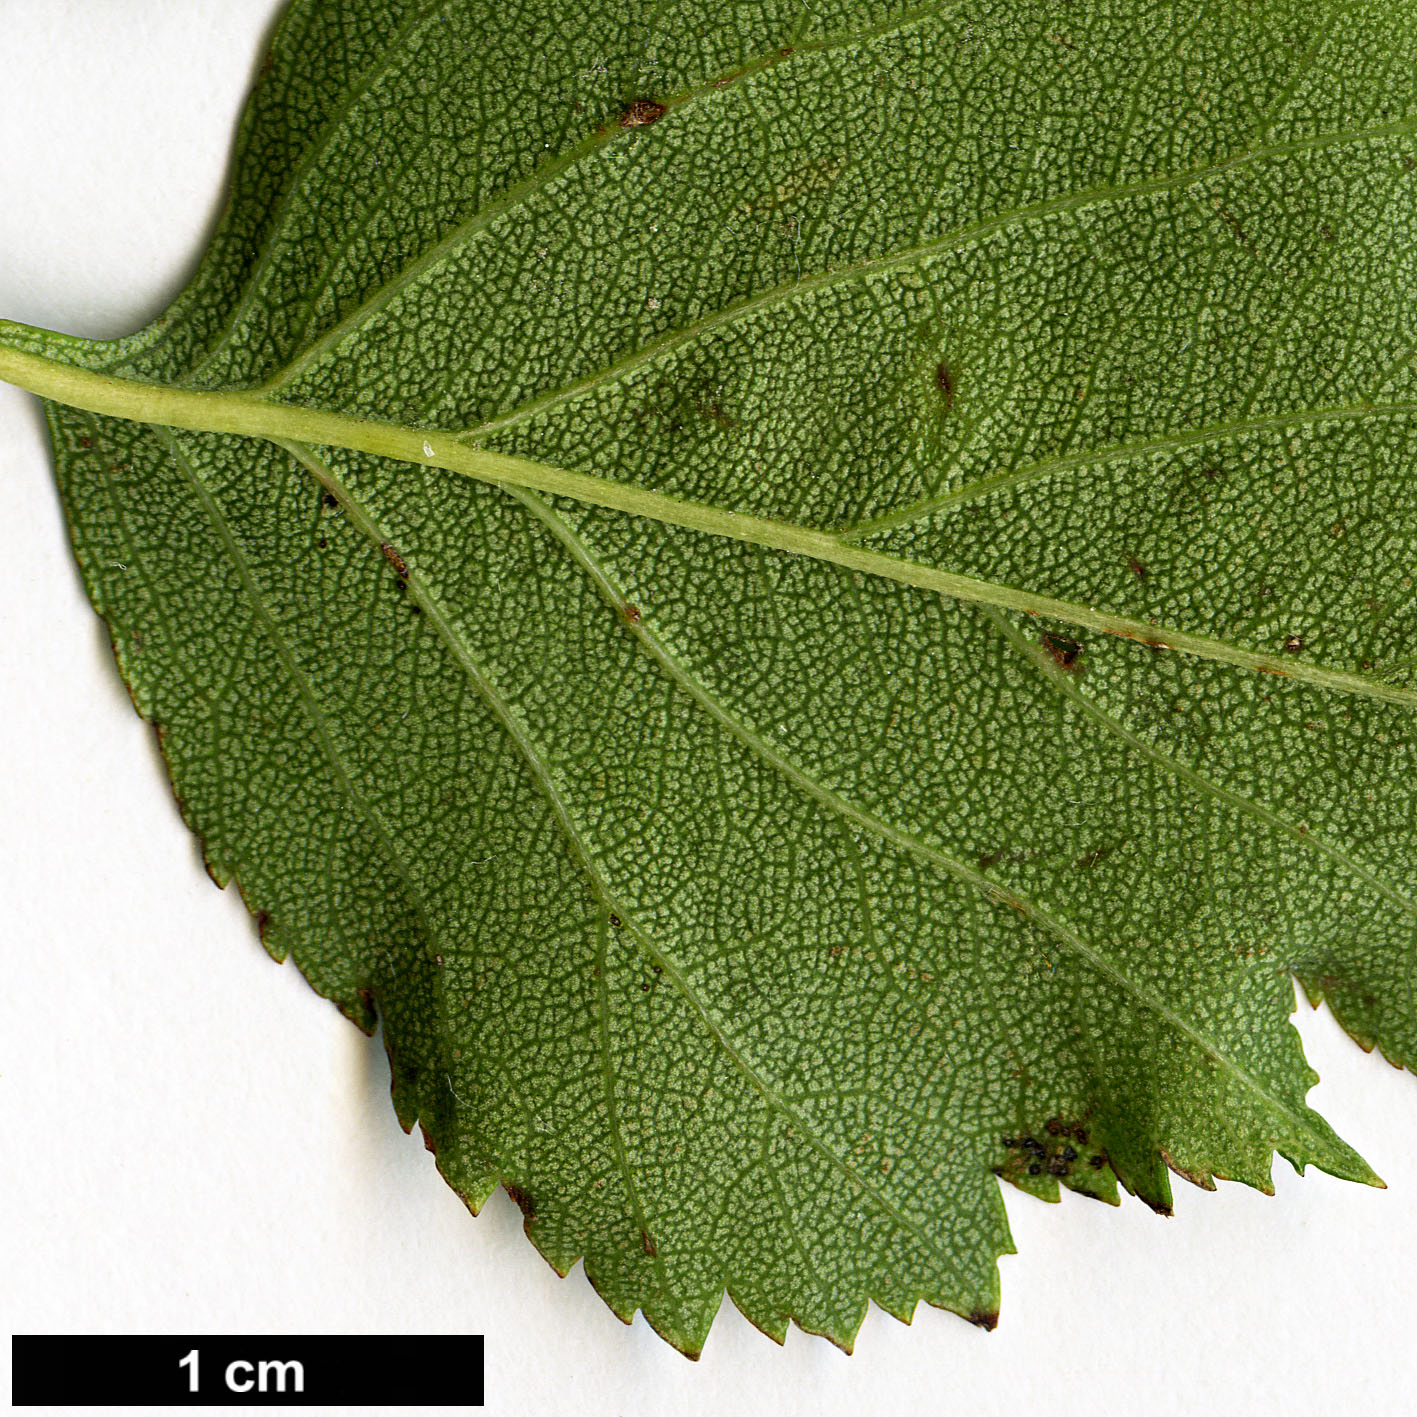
x=267, y=1370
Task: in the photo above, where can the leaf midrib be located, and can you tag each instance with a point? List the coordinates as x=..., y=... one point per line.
x=248, y=415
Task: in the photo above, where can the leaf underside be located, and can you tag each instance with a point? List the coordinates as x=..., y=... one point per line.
x=744, y=914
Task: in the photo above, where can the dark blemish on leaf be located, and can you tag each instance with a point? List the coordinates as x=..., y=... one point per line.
x=330, y=500
x=641, y=113
x=1097, y=1162
x=1407, y=162
x=993, y=858
x=1066, y=43
x=713, y=408
x=1326, y=231
x=395, y=560
x=263, y=919
x=1294, y=644
x=631, y=613
x=86, y=442
x=648, y=1245
x=644, y=988
x=658, y=968
x=1036, y=1169
x=1089, y=859
x=944, y=381
x=520, y=1199
x=1138, y=570
x=985, y=1319
x=428, y=1143
x=1063, y=651
x=1069, y=1153
x=1236, y=230
x=616, y=922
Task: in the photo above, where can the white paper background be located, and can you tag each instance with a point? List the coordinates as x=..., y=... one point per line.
x=192, y=1141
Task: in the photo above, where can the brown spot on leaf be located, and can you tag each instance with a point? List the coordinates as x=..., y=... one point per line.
x=263, y=919
x=395, y=560
x=330, y=500
x=648, y=1245
x=1294, y=644
x=1089, y=859
x=631, y=613
x=641, y=113
x=1231, y=221
x=987, y=1319
x=1064, y=651
x=1138, y=570
x=428, y=1143
x=944, y=381
x=86, y=442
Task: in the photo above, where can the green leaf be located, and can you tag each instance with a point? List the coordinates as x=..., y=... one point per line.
x=809, y=607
